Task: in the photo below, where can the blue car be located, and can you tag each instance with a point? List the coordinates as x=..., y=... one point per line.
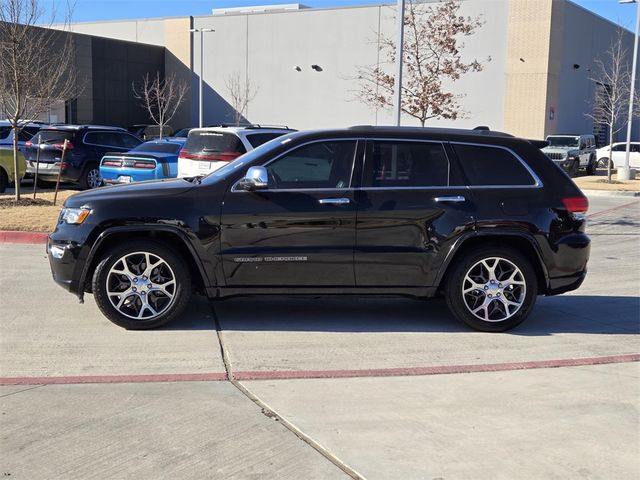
x=153, y=160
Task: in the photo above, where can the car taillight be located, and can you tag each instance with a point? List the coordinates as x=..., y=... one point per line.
x=184, y=153
x=112, y=163
x=148, y=164
x=576, y=204
x=28, y=144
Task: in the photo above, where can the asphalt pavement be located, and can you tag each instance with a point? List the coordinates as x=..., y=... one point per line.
x=159, y=404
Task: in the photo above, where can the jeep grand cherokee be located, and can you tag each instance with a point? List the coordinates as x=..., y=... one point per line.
x=481, y=217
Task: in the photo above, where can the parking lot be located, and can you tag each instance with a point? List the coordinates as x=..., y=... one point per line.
x=324, y=388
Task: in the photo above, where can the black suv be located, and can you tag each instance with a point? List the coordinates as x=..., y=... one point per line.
x=85, y=148
x=483, y=218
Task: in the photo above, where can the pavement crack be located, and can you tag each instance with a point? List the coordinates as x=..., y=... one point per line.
x=271, y=413
x=23, y=390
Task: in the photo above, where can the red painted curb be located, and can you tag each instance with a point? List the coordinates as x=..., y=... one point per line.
x=163, y=377
x=309, y=374
x=9, y=236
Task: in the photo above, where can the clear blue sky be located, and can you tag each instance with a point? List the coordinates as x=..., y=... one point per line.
x=87, y=10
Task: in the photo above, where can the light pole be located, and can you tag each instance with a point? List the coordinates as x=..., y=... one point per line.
x=397, y=87
x=202, y=31
x=625, y=174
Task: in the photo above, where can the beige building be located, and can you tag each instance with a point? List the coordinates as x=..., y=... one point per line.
x=537, y=82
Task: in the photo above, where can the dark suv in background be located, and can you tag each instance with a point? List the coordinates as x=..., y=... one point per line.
x=483, y=218
x=87, y=145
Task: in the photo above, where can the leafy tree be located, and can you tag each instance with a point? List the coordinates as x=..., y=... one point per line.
x=431, y=59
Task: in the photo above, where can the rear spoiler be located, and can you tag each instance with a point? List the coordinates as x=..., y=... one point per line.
x=538, y=143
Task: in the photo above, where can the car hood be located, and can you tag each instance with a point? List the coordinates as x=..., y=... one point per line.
x=559, y=149
x=131, y=191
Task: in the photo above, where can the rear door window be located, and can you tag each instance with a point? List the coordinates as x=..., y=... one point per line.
x=406, y=164
x=5, y=131
x=257, y=139
x=54, y=136
x=492, y=166
x=212, y=143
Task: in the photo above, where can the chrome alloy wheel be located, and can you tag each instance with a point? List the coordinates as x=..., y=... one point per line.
x=141, y=285
x=94, y=179
x=494, y=289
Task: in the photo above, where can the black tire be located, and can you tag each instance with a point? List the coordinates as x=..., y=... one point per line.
x=459, y=303
x=133, y=302
x=90, y=177
x=591, y=166
x=574, y=169
x=4, y=180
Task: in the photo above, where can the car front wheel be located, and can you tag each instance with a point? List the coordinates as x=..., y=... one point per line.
x=492, y=289
x=141, y=285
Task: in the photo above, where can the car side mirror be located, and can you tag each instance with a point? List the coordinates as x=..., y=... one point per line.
x=256, y=178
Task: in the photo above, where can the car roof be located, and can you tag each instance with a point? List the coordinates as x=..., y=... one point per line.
x=176, y=140
x=243, y=128
x=80, y=127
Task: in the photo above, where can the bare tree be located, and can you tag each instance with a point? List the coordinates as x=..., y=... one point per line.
x=36, y=66
x=432, y=56
x=612, y=91
x=161, y=97
x=242, y=93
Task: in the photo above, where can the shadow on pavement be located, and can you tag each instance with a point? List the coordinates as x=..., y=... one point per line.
x=551, y=315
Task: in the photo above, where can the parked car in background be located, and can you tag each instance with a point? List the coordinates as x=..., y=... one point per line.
x=481, y=218
x=210, y=148
x=572, y=152
x=6, y=167
x=87, y=145
x=618, y=155
x=153, y=160
x=28, y=131
x=183, y=132
x=149, y=132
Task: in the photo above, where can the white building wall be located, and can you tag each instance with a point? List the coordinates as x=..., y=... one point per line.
x=265, y=48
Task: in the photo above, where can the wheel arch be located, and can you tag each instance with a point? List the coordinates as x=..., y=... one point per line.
x=172, y=237
x=521, y=242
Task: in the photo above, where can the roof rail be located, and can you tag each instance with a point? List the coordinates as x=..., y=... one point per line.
x=482, y=128
x=247, y=125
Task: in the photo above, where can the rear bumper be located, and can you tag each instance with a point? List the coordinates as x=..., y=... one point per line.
x=569, y=267
x=565, y=284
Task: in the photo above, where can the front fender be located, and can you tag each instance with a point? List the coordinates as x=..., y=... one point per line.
x=191, y=245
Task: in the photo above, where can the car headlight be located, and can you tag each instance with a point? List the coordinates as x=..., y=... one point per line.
x=74, y=216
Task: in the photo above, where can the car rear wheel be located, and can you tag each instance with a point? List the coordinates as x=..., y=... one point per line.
x=591, y=166
x=491, y=289
x=602, y=163
x=91, y=177
x=141, y=285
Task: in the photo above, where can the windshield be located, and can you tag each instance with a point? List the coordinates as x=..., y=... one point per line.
x=165, y=147
x=247, y=158
x=563, y=141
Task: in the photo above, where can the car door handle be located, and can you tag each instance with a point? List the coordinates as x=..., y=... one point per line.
x=334, y=201
x=456, y=199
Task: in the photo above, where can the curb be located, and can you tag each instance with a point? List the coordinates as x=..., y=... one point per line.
x=611, y=193
x=37, y=238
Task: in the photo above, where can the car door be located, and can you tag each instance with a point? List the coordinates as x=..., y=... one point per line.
x=618, y=154
x=412, y=205
x=300, y=231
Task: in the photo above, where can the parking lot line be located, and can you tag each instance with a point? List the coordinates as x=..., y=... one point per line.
x=307, y=374
x=612, y=209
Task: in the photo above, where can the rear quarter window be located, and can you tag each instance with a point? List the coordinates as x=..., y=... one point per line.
x=257, y=139
x=492, y=166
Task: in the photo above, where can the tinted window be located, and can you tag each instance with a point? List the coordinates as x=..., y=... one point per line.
x=318, y=165
x=491, y=166
x=54, y=136
x=407, y=164
x=620, y=148
x=158, y=147
x=99, y=138
x=258, y=139
x=563, y=141
x=213, y=142
x=126, y=141
x=4, y=132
